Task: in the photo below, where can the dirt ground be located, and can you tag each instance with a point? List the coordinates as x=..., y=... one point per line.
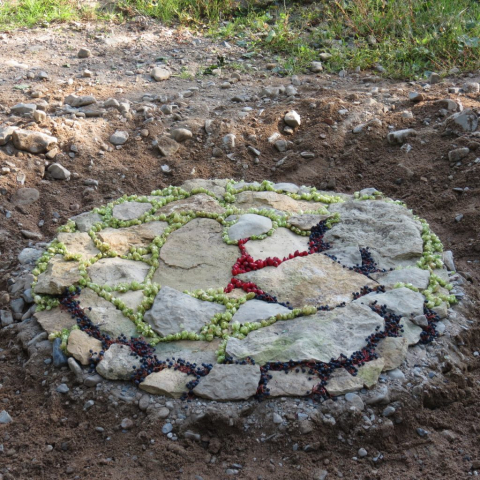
x=330, y=107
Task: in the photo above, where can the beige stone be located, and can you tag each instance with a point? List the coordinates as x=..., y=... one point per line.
x=200, y=202
x=58, y=276
x=79, y=242
x=80, y=344
x=168, y=382
x=292, y=384
x=277, y=201
x=393, y=350
x=54, y=320
x=282, y=243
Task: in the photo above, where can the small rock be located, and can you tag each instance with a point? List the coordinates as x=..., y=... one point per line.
x=59, y=358
x=471, y=87
x=416, y=97
x=229, y=140
x=167, y=146
x=421, y=432
x=63, y=388
x=119, y=137
x=160, y=73
x=355, y=400
x=401, y=136
x=458, y=154
x=127, y=424
x=292, y=119
x=167, y=428
x=389, y=411
x=316, y=67
x=434, y=78
x=33, y=142
x=362, y=453
x=181, y=135
x=58, y=172
x=5, y=417
x=23, y=109
x=84, y=53
x=39, y=116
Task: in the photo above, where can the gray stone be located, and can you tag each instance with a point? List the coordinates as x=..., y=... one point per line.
x=119, y=137
x=5, y=417
x=33, y=142
x=388, y=411
x=415, y=276
x=118, y=362
x=6, y=134
x=29, y=255
x=23, y=109
x=316, y=67
x=6, y=318
x=131, y=210
x=462, y=122
x=471, y=87
x=348, y=256
x=79, y=101
x=79, y=243
x=207, y=262
x=320, y=337
x=229, y=382
x=420, y=320
x=292, y=119
x=59, y=172
x=249, y=225
x=286, y=187
x=393, y=350
x=167, y=146
x=314, y=280
x=59, y=358
x=401, y=136
x=448, y=260
x=17, y=305
x=194, y=352
x=291, y=385
x=181, y=135
x=84, y=53
x=307, y=221
x=411, y=331
x=355, y=400
x=63, y=388
x=58, y=276
x=85, y=221
x=458, y=154
x=401, y=301
x=200, y=202
x=160, y=73
x=280, y=244
x=256, y=310
x=173, y=312
x=229, y=140
x=389, y=230
x=434, y=78
x=396, y=374
x=215, y=186
x=111, y=271
x=362, y=453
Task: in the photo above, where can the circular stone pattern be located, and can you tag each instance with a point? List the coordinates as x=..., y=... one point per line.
x=217, y=289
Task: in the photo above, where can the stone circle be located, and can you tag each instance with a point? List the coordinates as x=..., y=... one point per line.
x=218, y=289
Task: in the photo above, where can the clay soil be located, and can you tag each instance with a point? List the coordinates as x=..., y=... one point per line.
x=424, y=178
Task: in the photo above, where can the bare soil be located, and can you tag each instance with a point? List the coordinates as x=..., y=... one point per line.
x=424, y=178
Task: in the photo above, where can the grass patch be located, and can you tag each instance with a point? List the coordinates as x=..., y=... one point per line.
x=408, y=38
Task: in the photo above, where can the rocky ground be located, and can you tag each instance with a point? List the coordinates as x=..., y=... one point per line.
x=123, y=116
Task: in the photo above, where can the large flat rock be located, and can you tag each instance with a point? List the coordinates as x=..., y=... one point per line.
x=54, y=320
x=122, y=239
x=58, y=276
x=104, y=314
x=215, y=186
x=174, y=312
x=291, y=384
x=277, y=201
x=248, y=225
x=387, y=229
x=79, y=243
x=319, y=337
x=280, y=244
x=194, y=352
x=85, y=221
x=195, y=256
x=200, y=202
x=257, y=310
x=80, y=344
x=112, y=271
x=229, y=382
x=401, y=301
x=416, y=276
x=130, y=210
x=314, y=279
x=306, y=221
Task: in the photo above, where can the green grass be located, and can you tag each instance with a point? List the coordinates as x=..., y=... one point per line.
x=408, y=38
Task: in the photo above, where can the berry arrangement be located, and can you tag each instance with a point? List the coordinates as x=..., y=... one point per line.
x=221, y=325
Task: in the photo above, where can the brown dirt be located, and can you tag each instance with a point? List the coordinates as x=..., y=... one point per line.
x=345, y=162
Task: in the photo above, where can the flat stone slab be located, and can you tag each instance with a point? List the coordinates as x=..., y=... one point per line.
x=196, y=203
x=387, y=229
x=229, y=382
x=291, y=384
x=104, y=314
x=195, y=256
x=248, y=225
x=280, y=244
x=112, y=271
x=341, y=382
x=416, y=276
x=85, y=221
x=80, y=344
x=54, y=320
x=58, y=276
x=321, y=337
x=118, y=362
x=168, y=382
x=257, y=310
x=79, y=243
x=216, y=186
x=348, y=256
x=193, y=352
x=174, y=312
x=306, y=221
x=122, y=239
x=311, y=280
x=393, y=351
x=401, y=301
x=277, y=201
x=131, y=210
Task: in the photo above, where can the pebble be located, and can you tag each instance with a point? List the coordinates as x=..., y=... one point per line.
x=5, y=417
x=59, y=358
x=88, y=404
x=119, y=137
x=292, y=119
x=58, y=172
x=84, y=53
x=362, y=453
x=422, y=433
x=316, y=67
x=387, y=412
x=229, y=140
x=181, y=135
x=416, y=97
x=167, y=428
x=127, y=424
x=458, y=218
x=63, y=388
